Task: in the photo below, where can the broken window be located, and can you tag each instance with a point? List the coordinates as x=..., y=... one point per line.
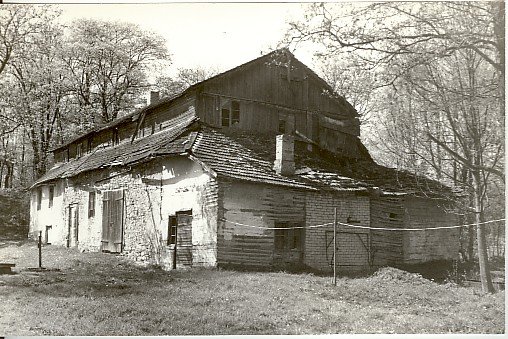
x=230, y=113
x=51, y=195
x=287, y=237
x=91, y=204
x=172, y=223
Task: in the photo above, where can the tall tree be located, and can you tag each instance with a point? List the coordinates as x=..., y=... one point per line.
x=443, y=65
x=109, y=64
x=17, y=24
x=39, y=83
x=185, y=77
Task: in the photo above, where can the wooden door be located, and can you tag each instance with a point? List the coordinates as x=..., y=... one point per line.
x=72, y=239
x=184, y=238
x=112, y=221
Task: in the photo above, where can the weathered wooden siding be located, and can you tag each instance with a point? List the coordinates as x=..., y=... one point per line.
x=386, y=246
x=268, y=95
x=353, y=246
x=425, y=246
x=259, y=206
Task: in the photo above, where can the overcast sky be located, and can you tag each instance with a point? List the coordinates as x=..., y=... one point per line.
x=215, y=35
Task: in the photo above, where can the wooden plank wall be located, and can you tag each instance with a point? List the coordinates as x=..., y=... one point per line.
x=261, y=206
x=386, y=246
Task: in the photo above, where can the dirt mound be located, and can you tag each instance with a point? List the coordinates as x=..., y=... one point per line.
x=391, y=273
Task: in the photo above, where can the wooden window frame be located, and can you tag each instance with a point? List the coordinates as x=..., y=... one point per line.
x=230, y=113
x=172, y=229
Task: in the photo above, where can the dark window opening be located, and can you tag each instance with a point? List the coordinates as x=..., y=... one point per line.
x=153, y=128
x=235, y=112
x=66, y=155
x=79, y=150
x=39, y=198
x=116, y=138
x=172, y=223
x=89, y=145
x=392, y=216
x=225, y=117
x=282, y=126
x=51, y=195
x=287, y=238
x=91, y=204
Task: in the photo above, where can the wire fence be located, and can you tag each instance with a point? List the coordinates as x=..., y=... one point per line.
x=364, y=227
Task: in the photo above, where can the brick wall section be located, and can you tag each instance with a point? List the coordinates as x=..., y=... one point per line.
x=352, y=243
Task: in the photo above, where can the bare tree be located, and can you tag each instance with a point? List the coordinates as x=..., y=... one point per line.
x=109, y=64
x=443, y=64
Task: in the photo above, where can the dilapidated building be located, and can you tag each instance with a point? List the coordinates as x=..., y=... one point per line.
x=244, y=169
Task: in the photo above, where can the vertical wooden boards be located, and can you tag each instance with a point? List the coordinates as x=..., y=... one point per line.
x=184, y=238
x=112, y=221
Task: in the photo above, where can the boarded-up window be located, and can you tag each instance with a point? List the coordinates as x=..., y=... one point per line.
x=51, y=195
x=112, y=221
x=91, y=204
x=72, y=239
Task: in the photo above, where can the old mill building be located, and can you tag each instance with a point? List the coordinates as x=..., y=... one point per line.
x=243, y=169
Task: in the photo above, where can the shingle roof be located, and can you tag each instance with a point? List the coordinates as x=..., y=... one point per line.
x=126, y=152
x=230, y=159
x=329, y=171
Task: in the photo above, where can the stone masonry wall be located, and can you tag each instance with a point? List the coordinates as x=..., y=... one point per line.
x=352, y=243
x=152, y=192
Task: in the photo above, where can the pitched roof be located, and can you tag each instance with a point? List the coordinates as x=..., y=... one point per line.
x=224, y=156
x=126, y=152
x=230, y=159
x=136, y=114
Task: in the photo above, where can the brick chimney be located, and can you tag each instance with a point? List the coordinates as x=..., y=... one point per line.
x=285, y=155
x=153, y=97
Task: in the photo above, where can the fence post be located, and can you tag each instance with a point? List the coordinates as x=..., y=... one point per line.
x=335, y=247
x=40, y=249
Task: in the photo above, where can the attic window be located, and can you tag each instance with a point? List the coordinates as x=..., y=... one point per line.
x=230, y=113
x=115, y=139
x=282, y=126
x=89, y=145
x=79, y=150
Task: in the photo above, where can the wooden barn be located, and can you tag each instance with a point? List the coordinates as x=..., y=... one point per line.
x=243, y=169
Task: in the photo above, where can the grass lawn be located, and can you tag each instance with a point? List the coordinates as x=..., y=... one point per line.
x=101, y=294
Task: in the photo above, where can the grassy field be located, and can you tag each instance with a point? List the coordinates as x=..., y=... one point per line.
x=100, y=294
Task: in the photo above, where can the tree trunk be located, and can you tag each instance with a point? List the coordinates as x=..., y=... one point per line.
x=483, y=259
